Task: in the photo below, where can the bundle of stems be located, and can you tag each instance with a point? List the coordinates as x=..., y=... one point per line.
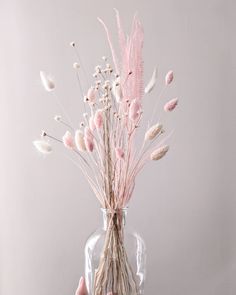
x=105, y=144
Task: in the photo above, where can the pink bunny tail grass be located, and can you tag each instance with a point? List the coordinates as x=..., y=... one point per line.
x=89, y=143
x=171, y=105
x=169, y=77
x=68, y=140
x=81, y=290
x=88, y=132
x=79, y=141
x=91, y=123
x=91, y=95
x=159, y=153
x=110, y=44
x=120, y=153
x=134, y=110
x=98, y=118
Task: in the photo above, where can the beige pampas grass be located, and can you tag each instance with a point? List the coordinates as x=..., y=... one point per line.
x=47, y=81
x=153, y=131
x=151, y=84
x=79, y=141
x=42, y=146
x=159, y=153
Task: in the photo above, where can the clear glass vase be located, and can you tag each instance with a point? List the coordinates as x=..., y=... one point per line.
x=115, y=257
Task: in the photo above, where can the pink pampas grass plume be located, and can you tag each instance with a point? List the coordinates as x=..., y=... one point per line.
x=98, y=118
x=47, y=81
x=169, y=77
x=68, y=140
x=120, y=153
x=42, y=146
x=159, y=153
x=151, y=84
x=153, y=131
x=171, y=105
x=134, y=110
x=79, y=141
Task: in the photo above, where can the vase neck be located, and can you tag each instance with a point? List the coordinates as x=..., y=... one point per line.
x=119, y=215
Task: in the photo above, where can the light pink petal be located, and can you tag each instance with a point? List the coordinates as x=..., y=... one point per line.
x=169, y=77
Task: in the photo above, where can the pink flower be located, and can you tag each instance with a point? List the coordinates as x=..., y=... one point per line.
x=119, y=153
x=134, y=110
x=169, y=77
x=170, y=105
x=68, y=140
x=98, y=118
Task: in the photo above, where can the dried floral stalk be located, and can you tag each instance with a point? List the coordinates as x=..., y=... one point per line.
x=106, y=148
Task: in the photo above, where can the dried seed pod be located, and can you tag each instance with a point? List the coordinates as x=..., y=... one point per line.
x=159, y=153
x=153, y=131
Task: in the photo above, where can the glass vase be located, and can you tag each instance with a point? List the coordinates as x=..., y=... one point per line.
x=115, y=257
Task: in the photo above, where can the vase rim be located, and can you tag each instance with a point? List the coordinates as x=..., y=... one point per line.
x=108, y=210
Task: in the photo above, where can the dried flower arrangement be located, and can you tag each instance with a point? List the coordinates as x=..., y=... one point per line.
x=105, y=142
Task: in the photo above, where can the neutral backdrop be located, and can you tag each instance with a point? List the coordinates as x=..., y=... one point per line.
x=184, y=206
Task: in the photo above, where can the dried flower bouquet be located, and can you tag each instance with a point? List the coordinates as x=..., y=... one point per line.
x=105, y=144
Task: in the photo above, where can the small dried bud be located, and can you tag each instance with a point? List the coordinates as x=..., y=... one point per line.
x=171, y=105
x=104, y=58
x=159, y=153
x=169, y=77
x=85, y=115
x=81, y=124
x=153, y=131
x=72, y=44
x=119, y=153
x=47, y=81
x=57, y=118
x=43, y=133
x=76, y=66
x=42, y=146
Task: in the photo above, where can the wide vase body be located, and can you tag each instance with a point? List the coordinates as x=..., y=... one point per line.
x=115, y=257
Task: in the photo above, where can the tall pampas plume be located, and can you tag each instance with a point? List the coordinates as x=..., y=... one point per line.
x=68, y=140
x=151, y=84
x=169, y=77
x=42, y=146
x=47, y=81
x=159, y=153
x=171, y=105
x=153, y=131
x=79, y=141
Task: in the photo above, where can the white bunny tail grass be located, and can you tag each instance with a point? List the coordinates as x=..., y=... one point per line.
x=42, y=146
x=151, y=84
x=79, y=141
x=159, y=153
x=153, y=131
x=47, y=81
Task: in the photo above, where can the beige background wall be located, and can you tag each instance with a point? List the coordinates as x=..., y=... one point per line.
x=184, y=206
